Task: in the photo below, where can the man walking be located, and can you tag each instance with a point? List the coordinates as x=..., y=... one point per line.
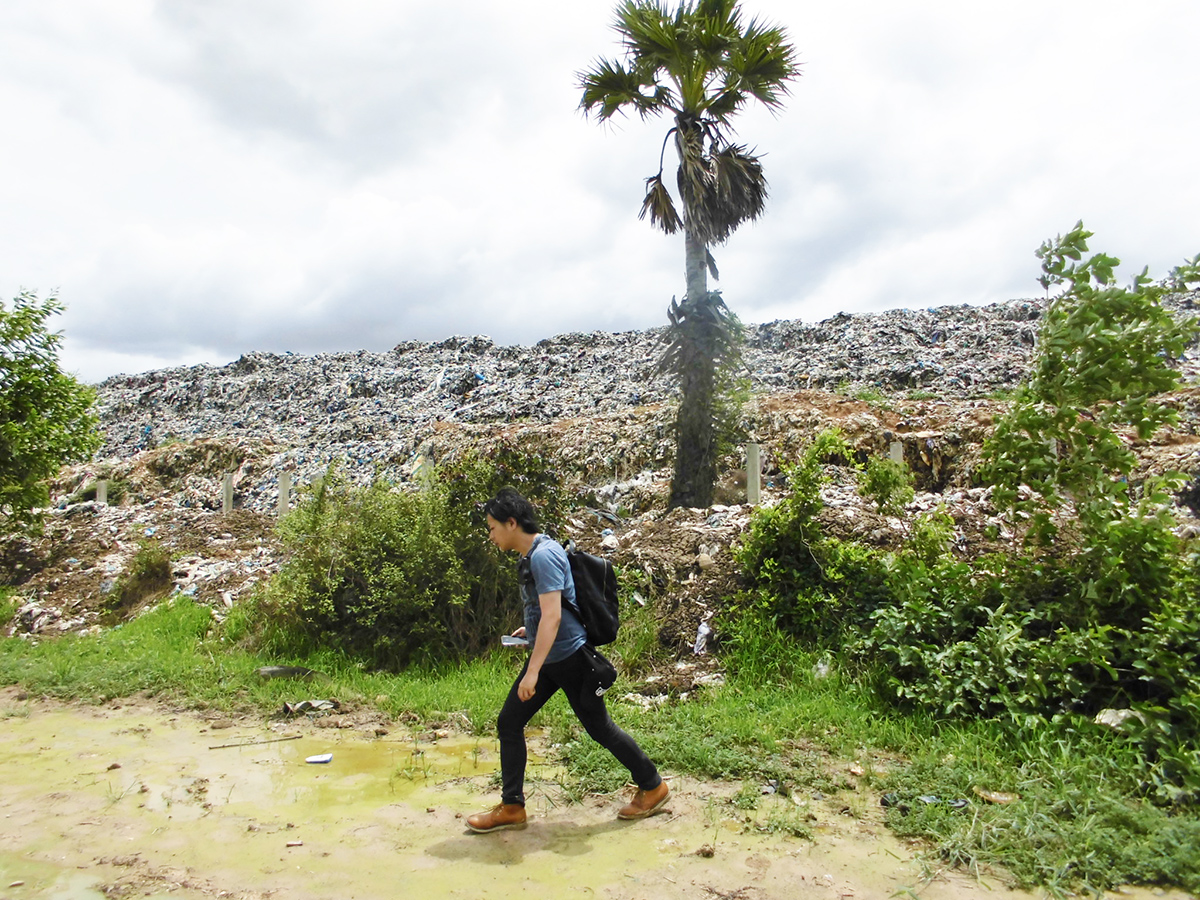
x=555, y=634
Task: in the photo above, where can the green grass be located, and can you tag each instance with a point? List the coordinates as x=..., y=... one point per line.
x=1079, y=823
x=176, y=653
x=865, y=393
x=9, y=603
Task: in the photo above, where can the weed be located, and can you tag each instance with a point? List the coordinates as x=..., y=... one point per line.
x=872, y=395
x=147, y=577
x=784, y=817
x=747, y=797
x=637, y=647
x=10, y=602
x=113, y=796
x=416, y=767
x=889, y=484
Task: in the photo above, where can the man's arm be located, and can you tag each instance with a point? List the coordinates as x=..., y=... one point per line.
x=547, y=631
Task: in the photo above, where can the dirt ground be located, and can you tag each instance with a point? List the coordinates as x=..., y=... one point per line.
x=136, y=800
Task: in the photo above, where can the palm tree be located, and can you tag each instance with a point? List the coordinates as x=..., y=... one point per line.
x=700, y=66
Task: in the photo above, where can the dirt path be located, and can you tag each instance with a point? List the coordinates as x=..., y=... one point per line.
x=133, y=801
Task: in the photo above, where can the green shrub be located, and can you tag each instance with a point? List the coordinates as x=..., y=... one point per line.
x=401, y=576
x=889, y=484
x=9, y=603
x=1104, y=354
x=45, y=414
x=372, y=571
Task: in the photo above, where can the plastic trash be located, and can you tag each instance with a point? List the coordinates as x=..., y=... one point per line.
x=304, y=706
x=996, y=796
x=286, y=672
x=701, y=644
x=319, y=759
x=822, y=668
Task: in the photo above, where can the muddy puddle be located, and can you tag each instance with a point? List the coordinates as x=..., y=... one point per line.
x=136, y=802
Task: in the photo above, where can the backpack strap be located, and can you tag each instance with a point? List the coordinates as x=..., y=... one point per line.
x=568, y=546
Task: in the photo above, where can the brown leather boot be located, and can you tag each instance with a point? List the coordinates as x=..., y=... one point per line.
x=499, y=817
x=645, y=803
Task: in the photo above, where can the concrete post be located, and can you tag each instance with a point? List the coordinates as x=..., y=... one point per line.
x=753, y=474
x=227, y=493
x=102, y=492
x=285, y=492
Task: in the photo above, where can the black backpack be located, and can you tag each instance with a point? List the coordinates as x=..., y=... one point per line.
x=595, y=594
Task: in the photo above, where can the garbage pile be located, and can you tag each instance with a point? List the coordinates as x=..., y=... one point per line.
x=370, y=403
x=383, y=414
x=905, y=383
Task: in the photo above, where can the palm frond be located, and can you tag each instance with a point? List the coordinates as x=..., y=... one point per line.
x=701, y=333
x=712, y=265
x=659, y=206
x=739, y=181
x=726, y=102
x=648, y=31
x=609, y=88
x=721, y=188
x=762, y=64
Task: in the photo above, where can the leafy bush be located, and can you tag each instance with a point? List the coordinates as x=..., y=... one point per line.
x=45, y=418
x=402, y=576
x=1104, y=353
x=889, y=484
x=1101, y=610
x=801, y=576
x=372, y=570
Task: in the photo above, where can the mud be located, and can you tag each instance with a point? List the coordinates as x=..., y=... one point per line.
x=135, y=801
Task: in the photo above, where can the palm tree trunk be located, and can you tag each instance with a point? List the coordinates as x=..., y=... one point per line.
x=695, y=435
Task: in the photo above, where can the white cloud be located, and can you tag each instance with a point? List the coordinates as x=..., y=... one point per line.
x=202, y=180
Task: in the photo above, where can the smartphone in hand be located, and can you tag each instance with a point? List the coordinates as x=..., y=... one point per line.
x=507, y=640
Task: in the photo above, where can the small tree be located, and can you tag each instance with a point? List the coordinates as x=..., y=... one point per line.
x=1105, y=353
x=45, y=418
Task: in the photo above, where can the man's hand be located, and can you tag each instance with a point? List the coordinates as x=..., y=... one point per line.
x=528, y=686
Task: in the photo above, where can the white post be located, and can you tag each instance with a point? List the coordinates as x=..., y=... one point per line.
x=896, y=451
x=102, y=492
x=227, y=493
x=285, y=492
x=753, y=474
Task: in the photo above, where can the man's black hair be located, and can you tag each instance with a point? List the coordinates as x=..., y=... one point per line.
x=508, y=504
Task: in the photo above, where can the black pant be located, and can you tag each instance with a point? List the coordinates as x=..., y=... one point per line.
x=569, y=675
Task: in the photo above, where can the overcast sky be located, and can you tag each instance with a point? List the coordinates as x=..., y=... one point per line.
x=197, y=179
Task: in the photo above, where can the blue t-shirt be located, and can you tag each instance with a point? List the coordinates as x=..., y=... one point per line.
x=546, y=569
